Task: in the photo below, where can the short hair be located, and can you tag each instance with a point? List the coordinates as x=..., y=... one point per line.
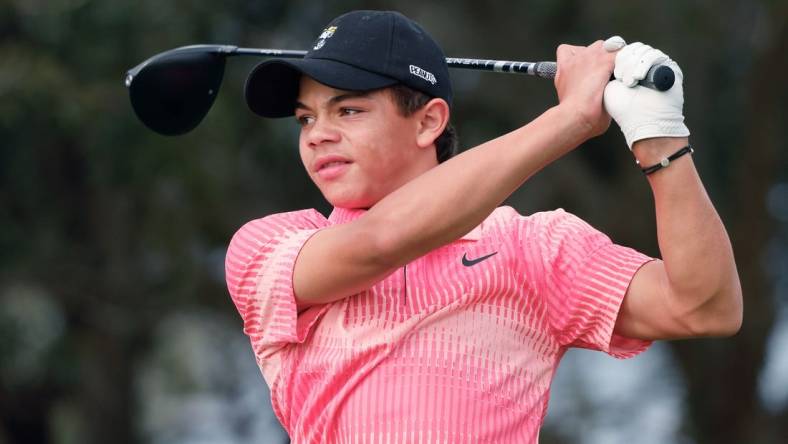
x=408, y=101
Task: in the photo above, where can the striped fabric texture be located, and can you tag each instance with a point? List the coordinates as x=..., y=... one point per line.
x=458, y=346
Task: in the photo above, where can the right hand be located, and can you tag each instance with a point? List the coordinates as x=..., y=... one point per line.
x=583, y=72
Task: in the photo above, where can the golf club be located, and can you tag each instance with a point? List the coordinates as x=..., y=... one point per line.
x=172, y=91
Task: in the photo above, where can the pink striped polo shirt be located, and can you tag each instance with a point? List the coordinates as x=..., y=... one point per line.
x=458, y=346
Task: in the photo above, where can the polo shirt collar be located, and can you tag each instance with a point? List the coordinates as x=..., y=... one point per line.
x=343, y=215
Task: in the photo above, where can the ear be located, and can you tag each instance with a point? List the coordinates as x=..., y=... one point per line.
x=432, y=120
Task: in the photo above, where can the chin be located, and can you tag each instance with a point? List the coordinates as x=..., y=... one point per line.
x=352, y=201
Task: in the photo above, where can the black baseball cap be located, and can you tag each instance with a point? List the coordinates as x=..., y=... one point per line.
x=357, y=51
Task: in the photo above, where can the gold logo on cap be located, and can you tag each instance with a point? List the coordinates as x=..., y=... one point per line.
x=326, y=34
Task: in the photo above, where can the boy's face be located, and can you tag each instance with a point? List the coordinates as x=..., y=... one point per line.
x=372, y=146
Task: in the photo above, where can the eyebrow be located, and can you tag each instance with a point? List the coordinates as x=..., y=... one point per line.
x=338, y=98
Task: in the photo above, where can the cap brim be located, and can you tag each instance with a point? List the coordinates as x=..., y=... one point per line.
x=272, y=86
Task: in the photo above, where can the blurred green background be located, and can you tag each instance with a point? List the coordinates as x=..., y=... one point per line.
x=116, y=326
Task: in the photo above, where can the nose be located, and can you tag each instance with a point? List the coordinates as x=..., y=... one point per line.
x=322, y=130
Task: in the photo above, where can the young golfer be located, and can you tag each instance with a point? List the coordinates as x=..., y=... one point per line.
x=421, y=311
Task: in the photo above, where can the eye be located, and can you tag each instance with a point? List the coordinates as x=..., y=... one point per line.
x=305, y=119
x=349, y=111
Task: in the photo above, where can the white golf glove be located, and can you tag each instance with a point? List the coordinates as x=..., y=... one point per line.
x=641, y=112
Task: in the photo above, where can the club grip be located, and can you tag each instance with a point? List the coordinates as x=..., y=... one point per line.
x=659, y=77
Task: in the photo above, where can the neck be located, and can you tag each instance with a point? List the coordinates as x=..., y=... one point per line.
x=419, y=166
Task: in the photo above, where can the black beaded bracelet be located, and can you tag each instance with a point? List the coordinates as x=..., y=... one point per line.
x=665, y=162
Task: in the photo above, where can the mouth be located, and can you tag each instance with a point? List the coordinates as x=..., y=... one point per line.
x=331, y=167
x=329, y=161
x=332, y=164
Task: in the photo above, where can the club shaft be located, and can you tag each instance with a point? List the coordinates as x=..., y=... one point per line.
x=266, y=52
x=655, y=79
x=474, y=64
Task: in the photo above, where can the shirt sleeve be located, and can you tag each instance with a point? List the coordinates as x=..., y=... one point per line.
x=259, y=273
x=585, y=278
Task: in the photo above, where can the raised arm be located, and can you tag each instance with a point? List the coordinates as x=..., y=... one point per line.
x=694, y=290
x=452, y=198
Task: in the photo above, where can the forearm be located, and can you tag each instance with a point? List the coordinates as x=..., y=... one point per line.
x=694, y=245
x=451, y=199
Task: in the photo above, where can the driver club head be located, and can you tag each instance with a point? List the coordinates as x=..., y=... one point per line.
x=172, y=92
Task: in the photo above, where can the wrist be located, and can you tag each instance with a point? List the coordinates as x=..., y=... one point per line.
x=652, y=151
x=573, y=127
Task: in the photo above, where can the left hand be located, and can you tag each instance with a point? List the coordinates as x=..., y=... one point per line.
x=640, y=112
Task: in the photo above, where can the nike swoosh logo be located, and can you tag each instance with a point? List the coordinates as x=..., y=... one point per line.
x=469, y=262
